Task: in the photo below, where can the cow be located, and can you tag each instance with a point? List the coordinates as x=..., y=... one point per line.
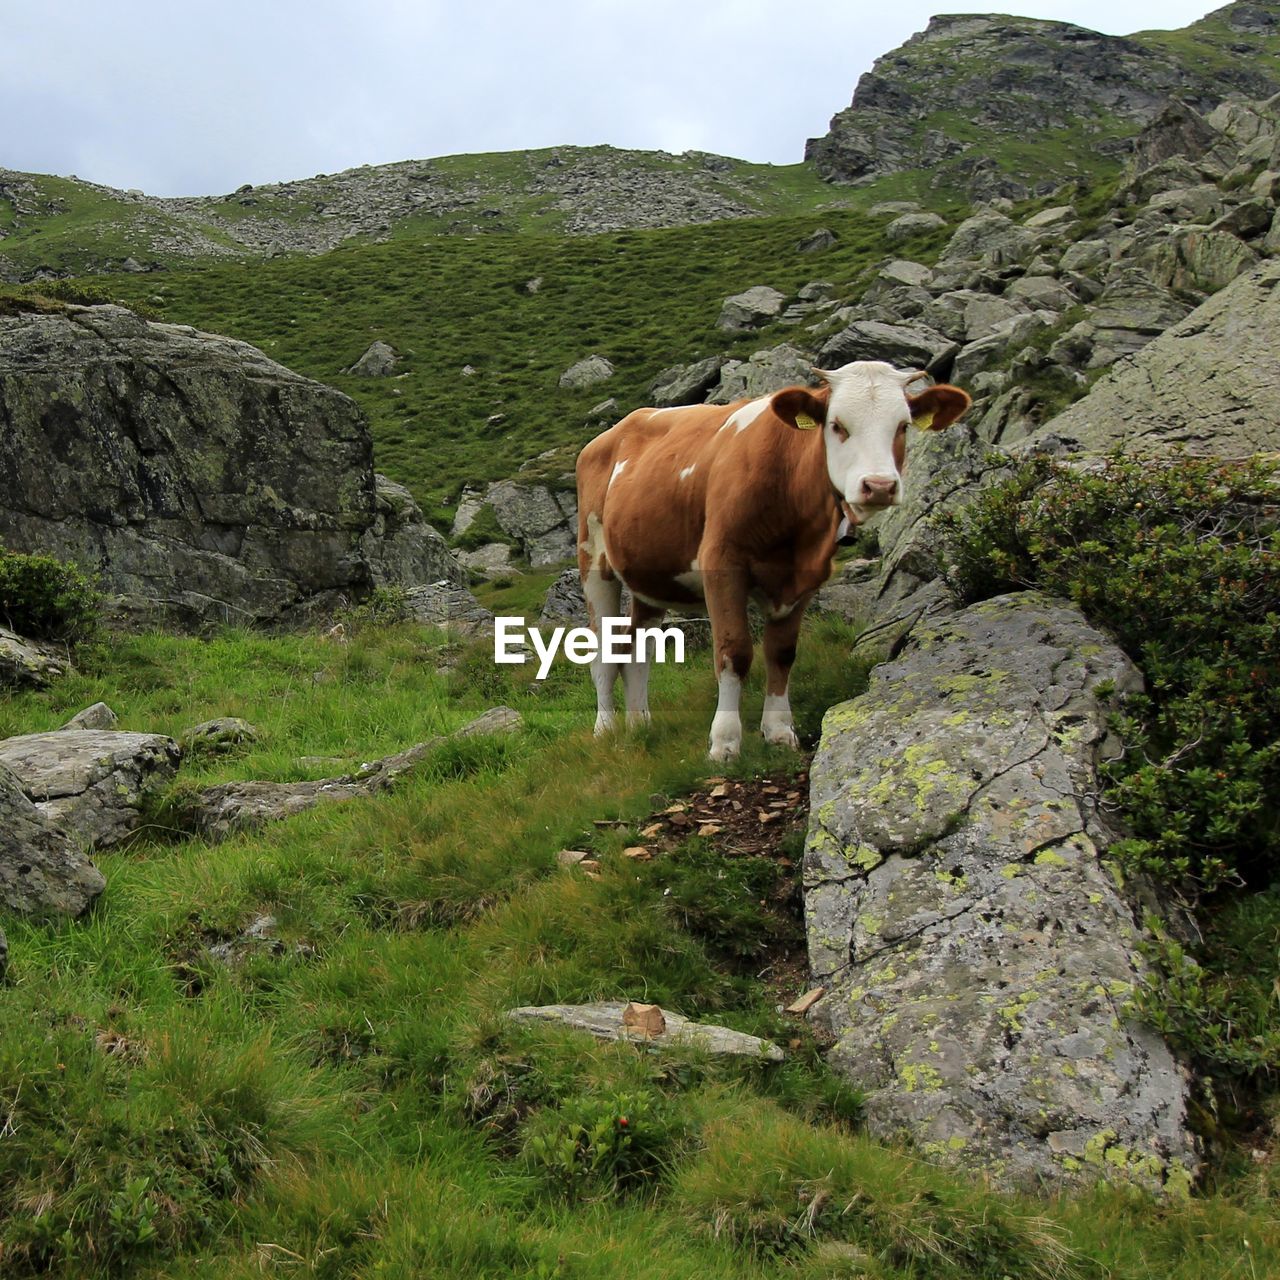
x=726, y=503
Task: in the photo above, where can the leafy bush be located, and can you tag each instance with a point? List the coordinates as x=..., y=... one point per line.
x=1180, y=559
x=45, y=598
x=614, y=1143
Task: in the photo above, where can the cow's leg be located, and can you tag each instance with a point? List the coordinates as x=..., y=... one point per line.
x=726, y=594
x=635, y=675
x=780, y=635
x=603, y=593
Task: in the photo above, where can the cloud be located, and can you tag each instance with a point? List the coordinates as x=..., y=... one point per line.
x=180, y=100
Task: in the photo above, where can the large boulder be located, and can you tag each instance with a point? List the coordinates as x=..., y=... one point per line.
x=990, y=238
x=905, y=345
x=198, y=478
x=977, y=954
x=1208, y=384
x=91, y=782
x=42, y=871
x=29, y=664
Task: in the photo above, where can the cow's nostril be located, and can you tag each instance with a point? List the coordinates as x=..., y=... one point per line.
x=879, y=488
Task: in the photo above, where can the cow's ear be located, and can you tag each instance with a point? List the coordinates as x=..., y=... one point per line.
x=938, y=407
x=802, y=407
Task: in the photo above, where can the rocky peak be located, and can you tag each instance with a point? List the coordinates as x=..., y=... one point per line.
x=985, y=85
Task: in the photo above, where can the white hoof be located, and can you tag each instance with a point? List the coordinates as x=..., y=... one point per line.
x=605, y=726
x=725, y=750
x=782, y=736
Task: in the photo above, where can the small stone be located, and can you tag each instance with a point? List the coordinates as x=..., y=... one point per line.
x=97, y=716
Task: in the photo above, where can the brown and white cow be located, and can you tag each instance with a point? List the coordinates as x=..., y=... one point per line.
x=725, y=503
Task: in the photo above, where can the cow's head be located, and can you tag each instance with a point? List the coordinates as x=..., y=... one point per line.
x=864, y=411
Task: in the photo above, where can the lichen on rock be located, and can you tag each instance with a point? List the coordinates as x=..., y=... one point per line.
x=977, y=953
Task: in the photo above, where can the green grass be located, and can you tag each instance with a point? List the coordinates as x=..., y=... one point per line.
x=644, y=299
x=353, y=1103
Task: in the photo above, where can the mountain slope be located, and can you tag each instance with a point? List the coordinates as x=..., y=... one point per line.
x=60, y=226
x=1002, y=105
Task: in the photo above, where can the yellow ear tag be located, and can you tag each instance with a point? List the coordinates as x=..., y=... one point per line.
x=805, y=422
x=925, y=421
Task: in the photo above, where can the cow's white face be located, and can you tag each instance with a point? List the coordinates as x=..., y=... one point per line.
x=865, y=413
x=866, y=434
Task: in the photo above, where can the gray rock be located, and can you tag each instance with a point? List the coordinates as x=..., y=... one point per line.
x=977, y=954
x=1057, y=218
x=902, y=271
x=604, y=1021
x=91, y=782
x=904, y=345
x=454, y=609
x=893, y=208
x=817, y=241
x=1131, y=311
x=751, y=308
x=223, y=734
x=766, y=371
x=605, y=411
x=42, y=872
x=685, y=383
x=219, y=811
x=1197, y=259
x=97, y=716
x=490, y=559
x=1040, y=293
x=990, y=238
x=1010, y=335
x=470, y=504
x=1248, y=219
x=1200, y=203
x=401, y=546
x=912, y=224
x=587, y=372
x=29, y=664
x=818, y=290
x=379, y=361
x=200, y=480
x=1178, y=132
x=1214, y=378
x=544, y=522
x=1084, y=255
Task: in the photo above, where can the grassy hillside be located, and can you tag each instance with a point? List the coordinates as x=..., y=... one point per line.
x=643, y=299
x=350, y=1103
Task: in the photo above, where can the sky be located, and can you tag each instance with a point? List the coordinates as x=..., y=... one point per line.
x=180, y=99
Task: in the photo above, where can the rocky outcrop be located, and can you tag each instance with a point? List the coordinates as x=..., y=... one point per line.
x=401, y=547
x=454, y=609
x=1029, y=80
x=1208, y=384
x=42, y=871
x=541, y=521
x=219, y=811
x=765, y=372
x=977, y=953
x=201, y=481
x=685, y=383
x=91, y=783
x=29, y=664
x=96, y=716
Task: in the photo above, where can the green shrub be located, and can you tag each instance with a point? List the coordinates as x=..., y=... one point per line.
x=616, y=1142
x=1180, y=559
x=46, y=599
